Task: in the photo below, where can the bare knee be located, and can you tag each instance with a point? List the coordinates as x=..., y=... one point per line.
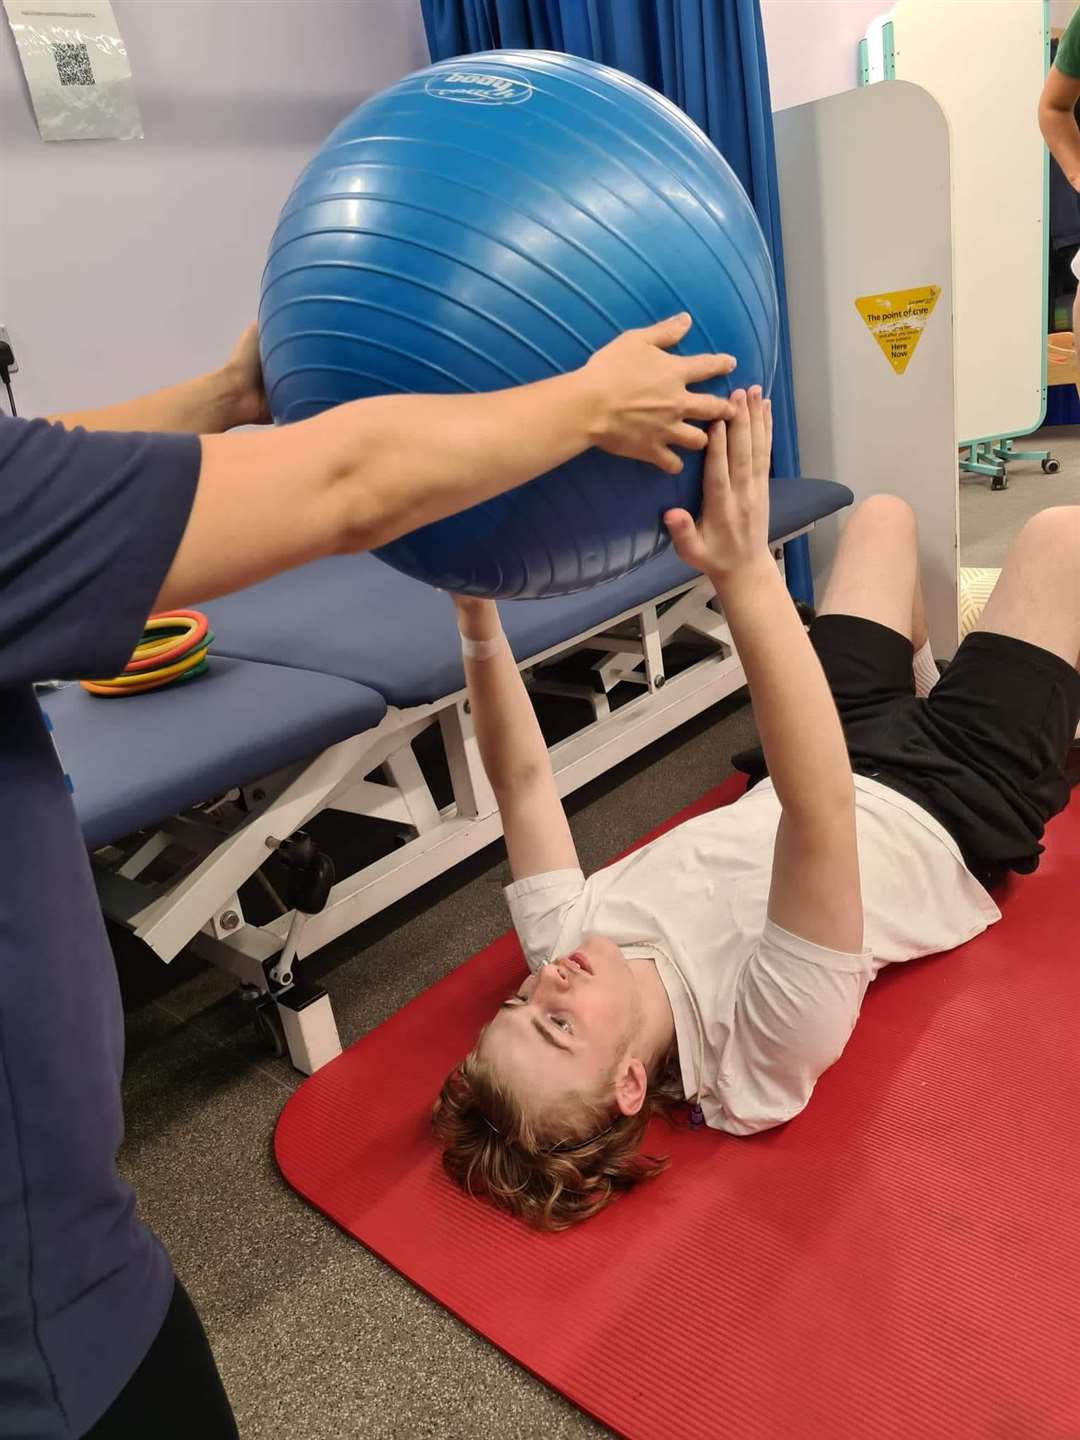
x=887, y=514
x=875, y=573
x=885, y=509
x=1052, y=533
x=1037, y=598
x=1043, y=565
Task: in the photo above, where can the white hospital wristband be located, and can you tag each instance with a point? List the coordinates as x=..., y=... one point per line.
x=482, y=649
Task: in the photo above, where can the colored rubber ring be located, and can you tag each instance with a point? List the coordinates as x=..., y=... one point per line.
x=154, y=640
x=162, y=654
x=168, y=653
x=163, y=672
x=175, y=620
x=170, y=617
x=173, y=649
x=115, y=692
x=196, y=625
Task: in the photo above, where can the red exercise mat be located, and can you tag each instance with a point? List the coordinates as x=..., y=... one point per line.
x=901, y=1260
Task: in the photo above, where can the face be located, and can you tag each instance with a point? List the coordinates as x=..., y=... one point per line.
x=566, y=1027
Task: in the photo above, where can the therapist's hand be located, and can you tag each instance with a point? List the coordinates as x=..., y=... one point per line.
x=242, y=374
x=643, y=400
x=209, y=404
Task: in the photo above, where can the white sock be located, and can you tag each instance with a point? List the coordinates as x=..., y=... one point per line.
x=926, y=672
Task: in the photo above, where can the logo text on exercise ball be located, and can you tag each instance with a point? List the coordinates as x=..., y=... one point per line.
x=472, y=87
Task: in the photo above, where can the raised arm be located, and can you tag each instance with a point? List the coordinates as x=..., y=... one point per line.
x=512, y=747
x=815, y=882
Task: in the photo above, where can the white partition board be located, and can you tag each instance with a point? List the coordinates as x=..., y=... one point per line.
x=984, y=62
x=864, y=199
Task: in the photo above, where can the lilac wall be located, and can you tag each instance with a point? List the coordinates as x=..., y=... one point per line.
x=125, y=265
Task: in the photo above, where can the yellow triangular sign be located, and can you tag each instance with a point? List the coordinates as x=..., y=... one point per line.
x=897, y=318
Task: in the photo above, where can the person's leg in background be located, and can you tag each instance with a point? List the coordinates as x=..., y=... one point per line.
x=176, y=1393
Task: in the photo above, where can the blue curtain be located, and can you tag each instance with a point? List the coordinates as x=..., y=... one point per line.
x=708, y=56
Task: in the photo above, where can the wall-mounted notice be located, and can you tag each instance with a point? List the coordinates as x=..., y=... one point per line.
x=897, y=320
x=76, y=69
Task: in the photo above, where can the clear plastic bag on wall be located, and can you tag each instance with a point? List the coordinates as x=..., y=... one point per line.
x=76, y=68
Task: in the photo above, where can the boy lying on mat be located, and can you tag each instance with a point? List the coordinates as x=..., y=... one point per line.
x=726, y=962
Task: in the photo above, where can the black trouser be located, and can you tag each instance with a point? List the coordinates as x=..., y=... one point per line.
x=176, y=1393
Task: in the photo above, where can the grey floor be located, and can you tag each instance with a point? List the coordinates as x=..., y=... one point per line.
x=316, y=1339
x=989, y=518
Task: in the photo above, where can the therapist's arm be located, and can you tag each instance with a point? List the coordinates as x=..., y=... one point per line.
x=362, y=474
x=207, y=405
x=1057, y=121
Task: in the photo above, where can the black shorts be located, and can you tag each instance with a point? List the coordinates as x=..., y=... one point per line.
x=985, y=754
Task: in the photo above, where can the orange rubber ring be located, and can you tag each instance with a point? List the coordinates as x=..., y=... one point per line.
x=119, y=692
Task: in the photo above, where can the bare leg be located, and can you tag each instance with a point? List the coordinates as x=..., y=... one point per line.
x=920, y=631
x=876, y=570
x=1037, y=598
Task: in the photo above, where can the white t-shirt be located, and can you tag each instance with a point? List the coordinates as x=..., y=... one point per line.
x=759, y=1014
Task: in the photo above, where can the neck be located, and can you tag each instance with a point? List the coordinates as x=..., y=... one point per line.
x=656, y=1032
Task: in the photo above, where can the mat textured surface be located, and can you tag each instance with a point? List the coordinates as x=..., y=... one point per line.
x=899, y=1261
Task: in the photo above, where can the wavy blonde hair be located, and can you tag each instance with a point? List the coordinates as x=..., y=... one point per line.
x=550, y=1169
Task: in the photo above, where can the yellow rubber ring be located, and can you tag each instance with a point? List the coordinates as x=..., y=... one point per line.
x=169, y=620
x=182, y=624
x=113, y=693
x=146, y=648
x=124, y=682
x=187, y=663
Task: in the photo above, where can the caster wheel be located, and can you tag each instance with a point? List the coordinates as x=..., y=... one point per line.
x=1050, y=466
x=269, y=1028
x=999, y=482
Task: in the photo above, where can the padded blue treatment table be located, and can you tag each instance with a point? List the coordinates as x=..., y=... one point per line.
x=354, y=617
x=134, y=762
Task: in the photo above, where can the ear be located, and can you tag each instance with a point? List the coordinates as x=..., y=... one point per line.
x=631, y=1087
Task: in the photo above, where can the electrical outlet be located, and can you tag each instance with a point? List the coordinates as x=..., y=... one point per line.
x=14, y=366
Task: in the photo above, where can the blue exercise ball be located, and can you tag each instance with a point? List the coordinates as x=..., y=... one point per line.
x=493, y=220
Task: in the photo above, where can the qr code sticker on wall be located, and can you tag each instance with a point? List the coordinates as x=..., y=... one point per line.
x=73, y=64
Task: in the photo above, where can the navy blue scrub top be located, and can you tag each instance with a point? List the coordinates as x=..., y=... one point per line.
x=89, y=526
